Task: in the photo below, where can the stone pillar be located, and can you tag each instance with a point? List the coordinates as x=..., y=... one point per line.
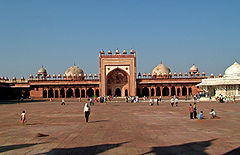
x=155, y=91
x=149, y=89
x=74, y=93
x=47, y=92
x=170, y=91
x=94, y=91
x=80, y=91
x=175, y=91
x=187, y=91
x=65, y=91
x=237, y=89
x=85, y=92
x=53, y=92
x=161, y=91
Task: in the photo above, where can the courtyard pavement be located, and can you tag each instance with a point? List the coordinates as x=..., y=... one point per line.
x=118, y=128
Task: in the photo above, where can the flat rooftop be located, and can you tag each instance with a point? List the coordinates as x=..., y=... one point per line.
x=118, y=128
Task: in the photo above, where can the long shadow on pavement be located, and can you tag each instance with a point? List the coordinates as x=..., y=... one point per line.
x=233, y=152
x=98, y=121
x=188, y=148
x=13, y=147
x=88, y=150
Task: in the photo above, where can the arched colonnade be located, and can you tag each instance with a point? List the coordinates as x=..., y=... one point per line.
x=70, y=92
x=153, y=91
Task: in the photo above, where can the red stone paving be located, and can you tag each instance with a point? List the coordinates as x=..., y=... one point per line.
x=118, y=128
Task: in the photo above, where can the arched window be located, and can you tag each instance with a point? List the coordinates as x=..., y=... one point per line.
x=165, y=91
x=50, y=93
x=173, y=91
x=158, y=91
x=69, y=92
x=184, y=91
x=90, y=92
x=145, y=91
x=44, y=93
x=77, y=92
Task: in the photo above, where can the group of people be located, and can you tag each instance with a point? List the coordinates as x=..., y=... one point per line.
x=193, y=112
x=226, y=99
x=174, y=100
x=132, y=99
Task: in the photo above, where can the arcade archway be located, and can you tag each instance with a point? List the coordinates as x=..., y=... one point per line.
x=117, y=82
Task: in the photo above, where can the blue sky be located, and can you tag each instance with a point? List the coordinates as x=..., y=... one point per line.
x=58, y=33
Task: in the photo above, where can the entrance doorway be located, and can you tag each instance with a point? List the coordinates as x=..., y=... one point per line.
x=118, y=92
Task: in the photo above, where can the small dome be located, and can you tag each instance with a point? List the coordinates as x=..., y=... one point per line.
x=36, y=76
x=22, y=78
x=197, y=73
x=59, y=76
x=161, y=69
x=175, y=73
x=193, y=69
x=144, y=74
x=14, y=78
x=149, y=74
x=180, y=74
x=233, y=71
x=90, y=75
x=109, y=52
x=42, y=70
x=117, y=51
x=96, y=75
x=212, y=75
x=102, y=52
x=48, y=76
x=30, y=76
x=203, y=73
x=54, y=75
x=73, y=70
x=124, y=51
x=132, y=51
x=186, y=74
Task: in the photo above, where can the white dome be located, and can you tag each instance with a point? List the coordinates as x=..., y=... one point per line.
x=161, y=69
x=74, y=70
x=233, y=71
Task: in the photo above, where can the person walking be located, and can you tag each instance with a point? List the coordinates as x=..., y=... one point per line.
x=23, y=117
x=63, y=102
x=87, y=111
x=172, y=101
x=176, y=101
x=195, y=110
x=191, y=111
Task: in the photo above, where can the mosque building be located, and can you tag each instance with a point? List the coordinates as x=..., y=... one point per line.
x=117, y=76
x=227, y=85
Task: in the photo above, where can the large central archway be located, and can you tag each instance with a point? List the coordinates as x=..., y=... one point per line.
x=118, y=82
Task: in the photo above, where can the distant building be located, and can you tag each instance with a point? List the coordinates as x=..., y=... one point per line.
x=227, y=85
x=117, y=76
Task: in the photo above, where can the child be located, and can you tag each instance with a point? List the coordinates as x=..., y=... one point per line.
x=200, y=115
x=212, y=113
x=23, y=117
